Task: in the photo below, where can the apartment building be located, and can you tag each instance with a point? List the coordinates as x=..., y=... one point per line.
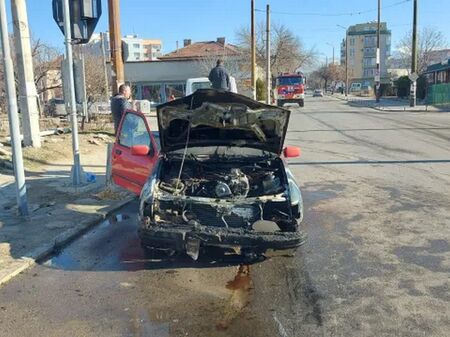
x=362, y=53
x=135, y=49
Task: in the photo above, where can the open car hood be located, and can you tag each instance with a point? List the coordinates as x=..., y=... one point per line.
x=211, y=117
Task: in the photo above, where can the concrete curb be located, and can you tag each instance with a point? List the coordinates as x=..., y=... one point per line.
x=385, y=109
x=61, y=240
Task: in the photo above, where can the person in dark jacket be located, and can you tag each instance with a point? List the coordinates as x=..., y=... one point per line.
x=219, y=77
x=120, y=103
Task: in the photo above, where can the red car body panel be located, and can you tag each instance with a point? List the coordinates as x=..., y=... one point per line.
x=131, y=171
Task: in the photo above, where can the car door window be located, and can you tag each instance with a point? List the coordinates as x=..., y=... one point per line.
x=134, y=131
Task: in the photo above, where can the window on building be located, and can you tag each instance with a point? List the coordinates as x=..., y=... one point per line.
x=137, y=56
x=177, y=90
x=369, y=41
x=352, y=41
x=369, y=61
x=152, y=93
x=369, y=72
x=136, y=45
x=352, y=52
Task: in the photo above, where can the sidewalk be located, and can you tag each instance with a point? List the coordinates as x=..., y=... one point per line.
x=58, y=211
x=390, y=104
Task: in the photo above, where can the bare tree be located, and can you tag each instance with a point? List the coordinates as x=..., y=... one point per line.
x=95, y=74
x=287, y=51
x=47, y=67
x=328, y=73
x=234, y=63
x=429, y=41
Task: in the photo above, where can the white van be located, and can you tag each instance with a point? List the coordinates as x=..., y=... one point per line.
x=192, y=84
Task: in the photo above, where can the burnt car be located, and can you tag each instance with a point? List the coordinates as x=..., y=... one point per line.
x=219, y=179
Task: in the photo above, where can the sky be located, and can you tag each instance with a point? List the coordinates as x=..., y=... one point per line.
x=313, y=21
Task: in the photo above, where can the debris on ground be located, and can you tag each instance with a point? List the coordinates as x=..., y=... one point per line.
x=4, y=152
x=93, y=141
x=103, y=137
x=111, y=193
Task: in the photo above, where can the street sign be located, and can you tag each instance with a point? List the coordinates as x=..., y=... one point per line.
x=413, y=77
x=84, y=15
x=377, y=78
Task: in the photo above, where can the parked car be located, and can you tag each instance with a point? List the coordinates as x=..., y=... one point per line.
x=318, y=93
x=220, y=178
x=56, y=107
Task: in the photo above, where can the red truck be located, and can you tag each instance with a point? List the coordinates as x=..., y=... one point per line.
x=290, y=88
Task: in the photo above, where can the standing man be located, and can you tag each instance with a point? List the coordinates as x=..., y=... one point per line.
x=219, y=77
x=120, y=103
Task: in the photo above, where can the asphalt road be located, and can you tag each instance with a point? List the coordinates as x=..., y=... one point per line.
x=377, y=262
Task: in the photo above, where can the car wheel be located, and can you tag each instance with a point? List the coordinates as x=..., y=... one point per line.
x=301, y=103
x=280, y=103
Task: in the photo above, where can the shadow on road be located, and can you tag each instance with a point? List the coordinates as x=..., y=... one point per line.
x=114, y=245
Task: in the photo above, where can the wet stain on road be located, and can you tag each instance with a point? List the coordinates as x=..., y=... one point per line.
x=423, y=256
x=240, y=288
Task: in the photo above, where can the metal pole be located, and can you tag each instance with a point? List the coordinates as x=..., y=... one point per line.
x=346, y=64
x=14, y=127
x=83, y=75
x=333, y=54
x=105, y=69
x=27, y=88
x=115, y=38
x=253, y=48
x=413, y=89
x=76, y=168
x=268, y=74
x=378, y=73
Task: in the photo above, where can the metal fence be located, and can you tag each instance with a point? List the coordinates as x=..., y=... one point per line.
x=439, y=94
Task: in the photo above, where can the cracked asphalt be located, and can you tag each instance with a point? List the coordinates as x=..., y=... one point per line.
x=376, y=187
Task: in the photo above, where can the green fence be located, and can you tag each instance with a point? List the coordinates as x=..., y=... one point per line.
x=439, y=94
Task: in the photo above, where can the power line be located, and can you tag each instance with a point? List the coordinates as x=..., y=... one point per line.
x=336, y=14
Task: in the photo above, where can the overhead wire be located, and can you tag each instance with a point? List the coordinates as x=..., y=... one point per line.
x=335, y=14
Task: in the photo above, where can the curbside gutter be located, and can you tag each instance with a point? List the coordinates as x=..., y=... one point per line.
x=386, y=108
x=45, y=250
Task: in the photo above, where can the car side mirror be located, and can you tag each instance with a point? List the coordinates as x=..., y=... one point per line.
x=291, y=151
x=140, y=150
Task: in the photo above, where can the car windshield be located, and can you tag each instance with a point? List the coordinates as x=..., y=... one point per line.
x=200, y=85
x=292, y=80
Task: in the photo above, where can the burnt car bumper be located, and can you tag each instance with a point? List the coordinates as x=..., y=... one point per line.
x=177, y=237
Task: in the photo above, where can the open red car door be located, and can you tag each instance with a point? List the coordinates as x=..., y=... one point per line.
x=134, y=153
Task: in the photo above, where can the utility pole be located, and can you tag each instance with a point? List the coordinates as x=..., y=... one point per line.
x=378, y=73
x=253, y=47
x=76, y=168
x=27, y=88
x=268, y=74
x=346, y=64
x=414, y=76
x=103, y=40
x=346, y=59
x=14, y=127
x=115, y=38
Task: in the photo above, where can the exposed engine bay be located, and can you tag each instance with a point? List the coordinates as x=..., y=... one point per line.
x=233, y=193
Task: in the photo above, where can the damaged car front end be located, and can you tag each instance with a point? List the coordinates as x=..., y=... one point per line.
x=220, y=180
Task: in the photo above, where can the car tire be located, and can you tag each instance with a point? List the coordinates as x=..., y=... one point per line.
x=280, y=103
x=301, y=103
